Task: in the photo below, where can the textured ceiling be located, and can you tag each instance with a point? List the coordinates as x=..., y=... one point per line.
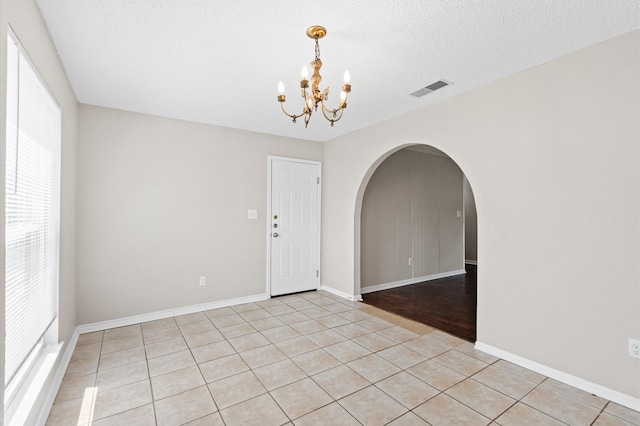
x=219, y=62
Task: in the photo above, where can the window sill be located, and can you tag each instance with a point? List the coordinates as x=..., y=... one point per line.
x=34, y=388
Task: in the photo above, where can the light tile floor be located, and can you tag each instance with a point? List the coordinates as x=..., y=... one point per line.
x=307, y=359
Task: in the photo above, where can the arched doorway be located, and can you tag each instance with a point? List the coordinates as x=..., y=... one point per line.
x=414, y=240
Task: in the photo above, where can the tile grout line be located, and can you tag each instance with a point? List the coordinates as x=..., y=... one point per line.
x=146, y=359
x=534, y=408
x=351, y=320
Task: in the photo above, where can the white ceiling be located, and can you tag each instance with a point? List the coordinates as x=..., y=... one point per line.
x=219, y=62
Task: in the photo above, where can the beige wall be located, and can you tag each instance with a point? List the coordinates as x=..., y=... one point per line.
x=24, y=18
x=470, y=223
x=162, y=202
x=409, y=210
x=552, y=154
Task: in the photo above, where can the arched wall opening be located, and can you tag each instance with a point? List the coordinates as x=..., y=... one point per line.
x=410, y=228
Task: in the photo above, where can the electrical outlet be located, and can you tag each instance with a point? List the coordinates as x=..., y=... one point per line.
x=634, y=348
x=203, y=281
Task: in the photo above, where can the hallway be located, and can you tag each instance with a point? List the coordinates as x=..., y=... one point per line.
x=448, y=304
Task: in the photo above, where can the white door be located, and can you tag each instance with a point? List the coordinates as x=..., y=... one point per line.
x=294, y=226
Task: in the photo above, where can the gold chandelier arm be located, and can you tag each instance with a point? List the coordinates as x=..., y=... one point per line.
x=334, y=115
x=293, y=116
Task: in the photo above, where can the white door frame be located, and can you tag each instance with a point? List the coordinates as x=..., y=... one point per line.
x=270, y=160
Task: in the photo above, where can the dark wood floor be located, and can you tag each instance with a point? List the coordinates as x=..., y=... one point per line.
x=447, y=303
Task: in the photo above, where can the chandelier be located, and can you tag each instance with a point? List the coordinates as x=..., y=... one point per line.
x=315, y=97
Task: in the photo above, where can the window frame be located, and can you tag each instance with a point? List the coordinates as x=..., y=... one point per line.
x=17, y=387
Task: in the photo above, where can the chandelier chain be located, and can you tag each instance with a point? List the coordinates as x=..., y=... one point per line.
x=317, y=48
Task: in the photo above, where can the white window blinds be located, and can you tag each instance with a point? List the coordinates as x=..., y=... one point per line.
x=31, y=211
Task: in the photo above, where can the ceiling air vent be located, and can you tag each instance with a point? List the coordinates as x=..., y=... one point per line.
x=430, y=88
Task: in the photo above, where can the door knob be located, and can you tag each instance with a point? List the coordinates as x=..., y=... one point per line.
x=275, y=235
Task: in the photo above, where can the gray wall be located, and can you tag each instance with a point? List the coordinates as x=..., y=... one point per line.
x=548, y=152
x=162, y=202
x=409, y=210
x=470, y=223
x=23, y=16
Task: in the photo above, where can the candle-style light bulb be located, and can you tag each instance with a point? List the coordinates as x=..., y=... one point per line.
x=347, y=77
x=305, y=73
x=281, y=88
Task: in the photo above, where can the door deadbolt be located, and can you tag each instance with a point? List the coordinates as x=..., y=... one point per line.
x=275, y=235
x=275, y=225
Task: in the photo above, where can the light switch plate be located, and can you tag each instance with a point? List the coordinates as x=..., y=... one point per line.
x=252, y=214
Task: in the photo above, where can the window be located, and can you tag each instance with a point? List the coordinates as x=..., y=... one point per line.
x=33, y=138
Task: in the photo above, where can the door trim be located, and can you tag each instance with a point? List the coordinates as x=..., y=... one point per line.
x=318, y=164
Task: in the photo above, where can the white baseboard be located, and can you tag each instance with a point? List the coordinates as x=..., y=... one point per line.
x=471, y=262
x=152, y=316
x=136, y=319
x=593, y=388
x=353, y=298
x=387, y=286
